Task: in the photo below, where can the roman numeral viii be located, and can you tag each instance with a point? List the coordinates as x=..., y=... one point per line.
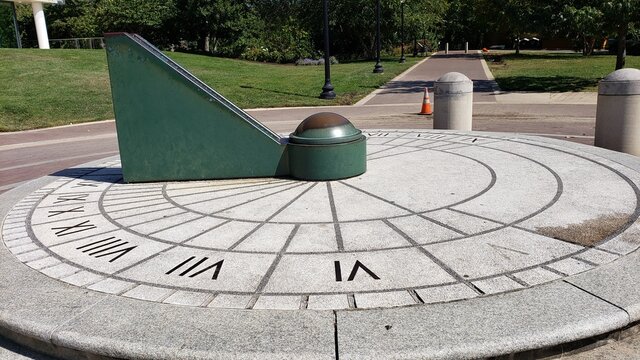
x=106, y=247
x=196, y=269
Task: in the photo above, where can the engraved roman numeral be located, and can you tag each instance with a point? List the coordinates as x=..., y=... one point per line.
x=430, y=136
x=504, y=251
x=354, y=271
x=106, y=247
x=193, y=267
x=67, y=198
x=68, y=230
x=85, y=184
x=78, y=209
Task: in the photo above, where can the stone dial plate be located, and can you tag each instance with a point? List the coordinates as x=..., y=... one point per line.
x=438, y=216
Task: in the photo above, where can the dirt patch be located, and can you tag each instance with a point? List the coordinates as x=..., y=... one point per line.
x=631, y=237
x=587, y=233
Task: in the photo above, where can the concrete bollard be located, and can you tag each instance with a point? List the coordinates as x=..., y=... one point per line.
x=453, y=102
x=466, y=47
x=618, y=112
x=446, y=48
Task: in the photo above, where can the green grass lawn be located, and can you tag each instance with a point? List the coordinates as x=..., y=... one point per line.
x=552, y=72
x=57, y=87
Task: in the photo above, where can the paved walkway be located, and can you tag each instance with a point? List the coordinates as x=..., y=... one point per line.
x=31, y=154
x=409, y=87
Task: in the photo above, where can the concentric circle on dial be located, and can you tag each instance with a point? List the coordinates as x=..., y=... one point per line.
x=438, y=216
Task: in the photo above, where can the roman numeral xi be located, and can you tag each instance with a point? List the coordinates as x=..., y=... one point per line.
x=72, y=229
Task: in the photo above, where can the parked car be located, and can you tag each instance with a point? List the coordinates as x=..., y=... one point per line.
x=633, y=47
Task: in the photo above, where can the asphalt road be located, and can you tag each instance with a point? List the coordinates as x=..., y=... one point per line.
x=32, y=154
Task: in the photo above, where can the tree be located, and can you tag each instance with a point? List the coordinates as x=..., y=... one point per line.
x=266, y=30
x=145, y=17
x=424, y=18
x=620, y=16
x=587, y=22
x=354, y=36
x=7, y=34
x=518, y=18
x=459, y=23
x=212, y=23
x=76, y=18
x=286, y=30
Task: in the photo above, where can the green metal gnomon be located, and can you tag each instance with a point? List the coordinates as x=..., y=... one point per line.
x=172, y=126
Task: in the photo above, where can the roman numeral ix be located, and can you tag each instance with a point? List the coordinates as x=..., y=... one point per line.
x=78, y=209
x=67, y=198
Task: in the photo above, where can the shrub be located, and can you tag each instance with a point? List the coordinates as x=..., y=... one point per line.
x=320, y=61
x=286, y=44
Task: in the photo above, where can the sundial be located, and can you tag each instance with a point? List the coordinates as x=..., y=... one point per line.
x=450, y=244
x=438, y=217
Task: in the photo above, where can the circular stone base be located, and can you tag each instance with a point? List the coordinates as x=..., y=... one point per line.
x=438, y=217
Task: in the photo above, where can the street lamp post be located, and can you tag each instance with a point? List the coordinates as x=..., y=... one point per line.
x=402, y=58
x=378, y=67
x=15, y=26
x=327, y=89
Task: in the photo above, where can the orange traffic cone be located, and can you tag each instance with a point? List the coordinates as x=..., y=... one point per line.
x=426, y=104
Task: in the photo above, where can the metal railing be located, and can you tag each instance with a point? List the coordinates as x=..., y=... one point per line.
x=77, y=43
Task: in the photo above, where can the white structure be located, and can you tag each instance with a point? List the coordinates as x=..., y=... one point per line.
x=38, y=16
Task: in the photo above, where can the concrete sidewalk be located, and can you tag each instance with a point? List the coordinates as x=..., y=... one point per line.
x=565, y=98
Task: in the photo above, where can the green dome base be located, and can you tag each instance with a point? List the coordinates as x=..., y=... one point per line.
x=328, y=162
x=326, y=146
